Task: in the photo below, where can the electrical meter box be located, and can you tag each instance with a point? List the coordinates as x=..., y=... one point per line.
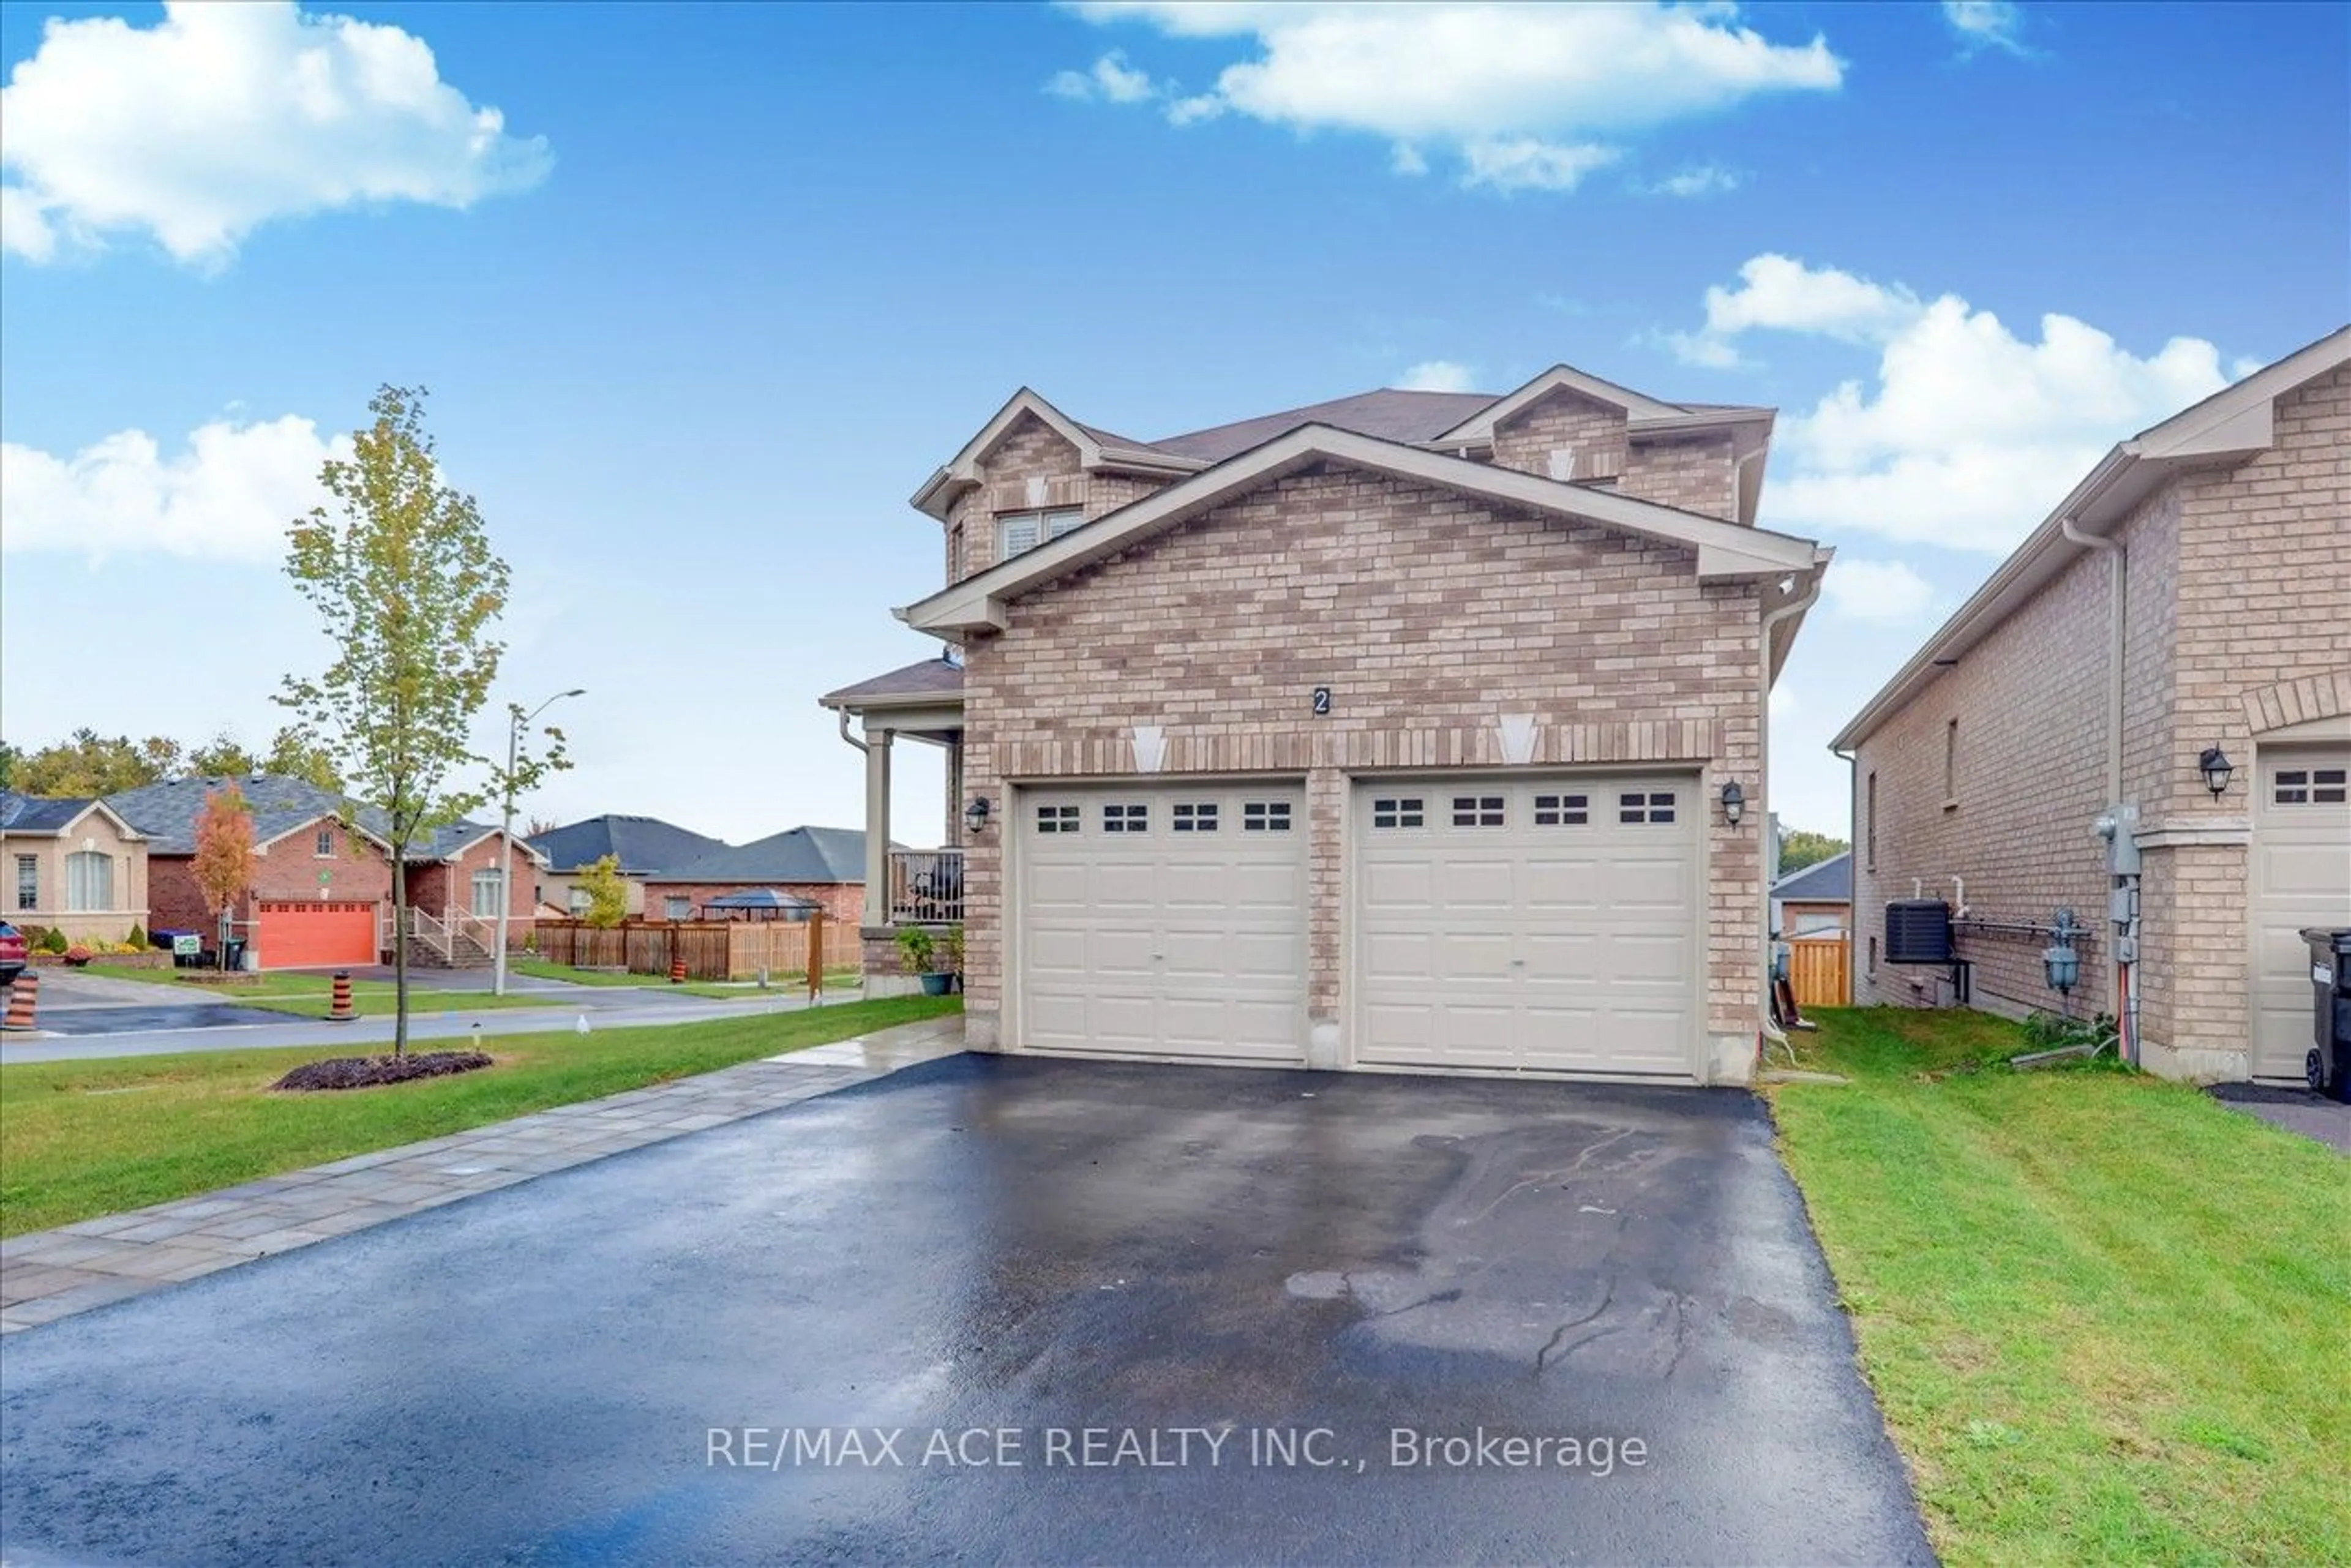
x=2118, y=825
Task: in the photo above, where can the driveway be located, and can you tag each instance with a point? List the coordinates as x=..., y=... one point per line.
x=73, y=1003
x=1074, y=1266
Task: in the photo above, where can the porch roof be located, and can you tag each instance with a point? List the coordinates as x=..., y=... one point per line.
x=933, y=682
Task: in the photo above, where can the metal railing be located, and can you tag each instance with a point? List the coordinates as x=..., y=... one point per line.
x=421, y=928
x=925, y=887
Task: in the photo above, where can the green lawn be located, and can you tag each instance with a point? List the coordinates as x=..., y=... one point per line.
x=307, y=995
x=834, y=981
x=84, y=1138
x=2104, y=1315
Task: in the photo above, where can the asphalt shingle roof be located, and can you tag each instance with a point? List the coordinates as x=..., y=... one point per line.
x=1829, y=881
x=932, y=677
x=1387, y=413
x=643, y=846
x=167, y=814
x=39, y=813
x=796, y=854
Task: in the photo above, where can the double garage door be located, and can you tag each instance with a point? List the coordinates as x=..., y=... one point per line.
x=1545, y=924
x=296, y=935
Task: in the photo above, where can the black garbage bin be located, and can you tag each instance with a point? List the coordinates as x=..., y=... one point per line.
x=233, y=954
x=2328, y=1063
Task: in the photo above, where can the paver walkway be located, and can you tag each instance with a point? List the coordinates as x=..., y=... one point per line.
x=50, y=1274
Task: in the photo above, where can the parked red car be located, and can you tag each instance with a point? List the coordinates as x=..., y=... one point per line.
x=13, y=953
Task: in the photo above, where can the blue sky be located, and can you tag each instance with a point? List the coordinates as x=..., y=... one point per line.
x=720, y=288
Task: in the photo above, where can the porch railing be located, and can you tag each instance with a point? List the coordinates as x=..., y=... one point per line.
x=422, y=928
x=925, y=887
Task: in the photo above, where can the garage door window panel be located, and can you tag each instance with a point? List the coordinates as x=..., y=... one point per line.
x=1397, y=811
x=1479, y=812
x=1265, y=816
x=1126, y=818
x=1057, y=819
x=1654, y=806
x=1193, y=817
x=1563, y=810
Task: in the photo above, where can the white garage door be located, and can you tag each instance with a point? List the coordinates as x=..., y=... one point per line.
x=2300, y=876
x=1163, y=920
x=1543, y=925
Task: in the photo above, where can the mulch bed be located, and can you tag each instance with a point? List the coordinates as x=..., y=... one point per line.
x=367, y=1071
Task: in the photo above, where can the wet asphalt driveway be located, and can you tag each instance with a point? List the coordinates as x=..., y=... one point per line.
x=1044, y=1263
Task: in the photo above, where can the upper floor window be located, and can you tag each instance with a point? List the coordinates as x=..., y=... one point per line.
x=1017, y=532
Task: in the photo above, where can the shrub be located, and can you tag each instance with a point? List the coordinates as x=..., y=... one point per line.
x=953, y=948
x=36, y=938
x=914, y=948
x=136, y=941
x=77, y=955
x=53, y=940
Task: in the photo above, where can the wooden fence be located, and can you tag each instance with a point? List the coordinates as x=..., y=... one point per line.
x=1821, y=971
x=712, y=949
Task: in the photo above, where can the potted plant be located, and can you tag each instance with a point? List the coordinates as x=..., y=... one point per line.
x=917, y=948
x=76, y=956
x=953, y=949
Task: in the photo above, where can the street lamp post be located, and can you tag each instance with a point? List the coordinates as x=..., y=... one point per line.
x=514, y=723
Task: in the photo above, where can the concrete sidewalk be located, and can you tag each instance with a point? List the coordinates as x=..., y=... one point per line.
x=51, y=1274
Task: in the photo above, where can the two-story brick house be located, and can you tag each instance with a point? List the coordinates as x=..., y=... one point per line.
x=2188, y=603
x=1413, y=731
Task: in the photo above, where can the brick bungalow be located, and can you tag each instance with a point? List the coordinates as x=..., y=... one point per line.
x=640, y=847
x=322, y=886
x=824, y=866
x=2188, y=604
x=1410, y=732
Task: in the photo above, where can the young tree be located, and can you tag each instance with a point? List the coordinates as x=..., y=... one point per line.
x=408, y=590
x=224, y=855
x=607, y=894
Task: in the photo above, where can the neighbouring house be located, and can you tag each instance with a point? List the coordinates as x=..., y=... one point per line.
x=74, y=866
x=1816, y=901
x=819, y=866
x=2059, y=745
x=1411, y=731
x=323, y=890
x=642, y=847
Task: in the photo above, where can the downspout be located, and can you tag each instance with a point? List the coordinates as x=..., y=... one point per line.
x=2125, y=992
x=1769, y=1032
x=844, y=715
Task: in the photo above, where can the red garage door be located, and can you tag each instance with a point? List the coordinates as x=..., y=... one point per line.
x=313, y=935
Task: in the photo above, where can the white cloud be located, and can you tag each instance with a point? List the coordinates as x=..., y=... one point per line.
x=1526, y=165
x=1986, y=24
x=1967, y=434
x=1112, y=80
x=1526, y=96
x=1886, y=592
x=221, y=117
x=1702, y=180
x=229, y=495
x=1438, y=375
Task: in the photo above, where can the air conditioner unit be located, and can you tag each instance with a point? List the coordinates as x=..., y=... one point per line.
x=1918, y=931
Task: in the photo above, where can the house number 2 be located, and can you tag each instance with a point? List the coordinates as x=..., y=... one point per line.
x=1321, y=702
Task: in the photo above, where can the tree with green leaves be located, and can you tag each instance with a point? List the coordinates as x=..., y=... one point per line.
x=409, y=592
x=222, y=756
x=607, y=891
x=295, y=753
x=87, y=763
x=1799, y=849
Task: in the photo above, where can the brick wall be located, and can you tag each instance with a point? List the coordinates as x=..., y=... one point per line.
x=2239, y=587
x=841, y=899
x=1430, y=615
x=1029, y=450
x=1563, y=421
x=436, y=886
x=1691, y=473
x=287, y=870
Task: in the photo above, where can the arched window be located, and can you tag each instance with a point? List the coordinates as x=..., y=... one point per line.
x=89, y=880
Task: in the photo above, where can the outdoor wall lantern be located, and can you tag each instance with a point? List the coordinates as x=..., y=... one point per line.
x=1734, y=803
x=974, y=816
x=2215, y=767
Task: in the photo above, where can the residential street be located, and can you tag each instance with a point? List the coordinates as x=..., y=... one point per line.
x=566, y=1369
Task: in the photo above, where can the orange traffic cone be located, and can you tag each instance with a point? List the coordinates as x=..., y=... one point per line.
x=678, y=971
x=24, y=996
x=342, y=1011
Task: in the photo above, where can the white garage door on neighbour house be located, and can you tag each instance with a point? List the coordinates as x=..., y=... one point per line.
x=1544, y=925
x=1162, y=920
x=2300, y=876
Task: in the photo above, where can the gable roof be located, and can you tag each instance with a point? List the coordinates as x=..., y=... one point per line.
x=796, y=854
x=642, y=845
x=48, y=816
x=1724, y=550
x=1096, y=449
x=1827, y=882
x=2231, y=425
x=167, y=812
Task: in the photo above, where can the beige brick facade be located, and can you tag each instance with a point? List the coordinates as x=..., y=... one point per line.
x=2238, y=625
x=1430, y=615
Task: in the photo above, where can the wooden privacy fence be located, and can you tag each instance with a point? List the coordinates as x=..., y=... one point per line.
x=1821, y=971
x=712, y=949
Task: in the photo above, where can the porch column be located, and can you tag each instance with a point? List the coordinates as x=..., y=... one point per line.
x=877, y=827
